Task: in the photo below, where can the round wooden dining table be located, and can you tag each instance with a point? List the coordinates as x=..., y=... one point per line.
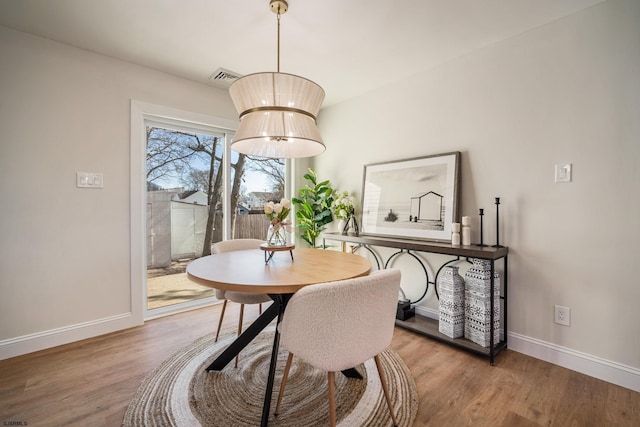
x=246, y=270
x=280, y=278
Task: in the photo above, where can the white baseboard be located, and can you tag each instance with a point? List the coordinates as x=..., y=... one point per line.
x=427, y=312
x=54, y=337
x=606, y=370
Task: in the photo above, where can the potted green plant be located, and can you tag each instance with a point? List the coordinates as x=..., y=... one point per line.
x=313, y=207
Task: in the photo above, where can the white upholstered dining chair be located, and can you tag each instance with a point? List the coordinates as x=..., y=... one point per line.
x=339, y=325
x=238, y=297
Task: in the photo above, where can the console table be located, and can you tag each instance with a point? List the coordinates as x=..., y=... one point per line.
x=422, y=324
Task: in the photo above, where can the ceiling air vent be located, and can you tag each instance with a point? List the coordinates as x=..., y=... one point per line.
x=223, y=78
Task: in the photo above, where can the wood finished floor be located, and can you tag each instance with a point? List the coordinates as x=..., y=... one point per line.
x=90, y=383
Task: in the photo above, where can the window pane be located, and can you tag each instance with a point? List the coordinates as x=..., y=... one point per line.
x=261, y=180
x=179, y=196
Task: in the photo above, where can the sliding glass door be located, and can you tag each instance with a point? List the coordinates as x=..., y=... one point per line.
x=198, y=193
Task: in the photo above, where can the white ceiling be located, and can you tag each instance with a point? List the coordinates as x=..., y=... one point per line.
x=348, y=47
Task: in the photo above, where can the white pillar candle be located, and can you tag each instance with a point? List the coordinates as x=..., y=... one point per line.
x=466, y=220
x=466, y=236
x=455, y=239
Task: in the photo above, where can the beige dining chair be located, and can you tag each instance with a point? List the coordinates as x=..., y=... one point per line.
x=338, y=325
x=234, y=296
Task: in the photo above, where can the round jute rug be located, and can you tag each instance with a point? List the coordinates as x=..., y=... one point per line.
x=181, y=393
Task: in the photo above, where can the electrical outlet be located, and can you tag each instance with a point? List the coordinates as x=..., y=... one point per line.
x=563, y=172
x=563, y=315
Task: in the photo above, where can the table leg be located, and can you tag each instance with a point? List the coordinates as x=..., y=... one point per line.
x=281, y=301
x=274, y=310
x=352, y=373
x=245, y=338
x=270, y=255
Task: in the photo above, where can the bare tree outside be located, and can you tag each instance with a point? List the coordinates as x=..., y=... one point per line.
x=273, y=170
x=168, y=153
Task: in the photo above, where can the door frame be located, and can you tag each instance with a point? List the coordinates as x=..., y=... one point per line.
x=140, y=111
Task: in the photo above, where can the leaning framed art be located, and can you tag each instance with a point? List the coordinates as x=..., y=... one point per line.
x=414, y=198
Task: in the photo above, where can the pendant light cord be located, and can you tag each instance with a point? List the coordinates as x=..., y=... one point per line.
x=278, y=39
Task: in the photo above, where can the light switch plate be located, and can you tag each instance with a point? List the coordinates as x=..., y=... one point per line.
x=563, y=172
x=89, y=180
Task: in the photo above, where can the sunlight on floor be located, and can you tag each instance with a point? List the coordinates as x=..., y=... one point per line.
x=173, y=289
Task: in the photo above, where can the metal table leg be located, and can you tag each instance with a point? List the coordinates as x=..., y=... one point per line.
x=245, y=338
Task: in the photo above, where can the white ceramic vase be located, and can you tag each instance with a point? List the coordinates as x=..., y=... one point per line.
x=477, y=325
x=342, y=223
x=451, y=303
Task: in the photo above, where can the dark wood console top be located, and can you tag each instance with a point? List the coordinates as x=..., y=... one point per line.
x=473, y=251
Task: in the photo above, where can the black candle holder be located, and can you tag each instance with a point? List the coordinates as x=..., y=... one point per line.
x=345, y=230
x=481, y=213
x=498, y=245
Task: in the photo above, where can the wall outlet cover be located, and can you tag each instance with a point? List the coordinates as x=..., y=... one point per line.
x=563, y=172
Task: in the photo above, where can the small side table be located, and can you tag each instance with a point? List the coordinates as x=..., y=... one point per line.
x=270, y=250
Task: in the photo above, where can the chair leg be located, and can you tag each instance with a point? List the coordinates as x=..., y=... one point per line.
x=240, y=326
x=224, y=306
x=260, y=308
x=385, y=389
x=285, y=375
x=332, y=398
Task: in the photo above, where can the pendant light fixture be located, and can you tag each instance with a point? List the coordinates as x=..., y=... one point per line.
x=277, y=111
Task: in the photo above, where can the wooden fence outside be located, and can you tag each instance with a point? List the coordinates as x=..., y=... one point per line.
x=251, y=226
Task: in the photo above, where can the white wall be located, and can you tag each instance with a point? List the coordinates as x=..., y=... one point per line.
x=65, y=251
x=566, y=92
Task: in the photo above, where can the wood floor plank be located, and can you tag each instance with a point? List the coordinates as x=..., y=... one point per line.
x=90, y=383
